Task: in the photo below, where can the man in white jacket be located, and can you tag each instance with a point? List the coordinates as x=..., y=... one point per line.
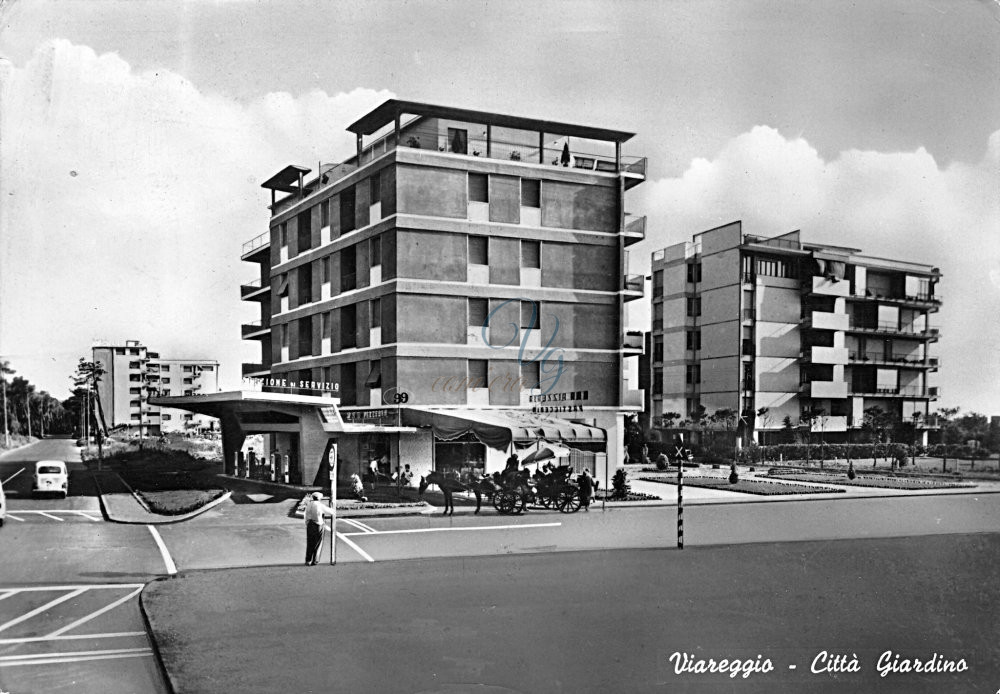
x=315, y=510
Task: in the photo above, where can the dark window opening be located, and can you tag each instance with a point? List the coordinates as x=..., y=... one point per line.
x=479, y=250
x=479, y=187
x=347, y=214
x=531, y=192
x=531, y=252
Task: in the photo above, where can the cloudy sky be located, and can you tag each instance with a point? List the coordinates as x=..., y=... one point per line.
x=134, y=136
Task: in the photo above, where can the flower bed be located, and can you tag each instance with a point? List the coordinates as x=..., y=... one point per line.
x=631, y=496
x=753, y=485
x=179, y=501
x=870, y=481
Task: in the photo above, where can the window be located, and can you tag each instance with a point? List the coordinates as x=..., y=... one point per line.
x=348, y=268
x=531, y=374
x=458, y=140
x=479, y=250
x=188, y=416
x=658, y=349
x=305, y=329
x=283, y=234
x=693, y=374
x=479, y=187
x=694, y=272
x=134, y=403
x=135, y=378
x=166, y=417
x=478, y=310
x=693, y=340
x=657, y=381
x=164, y=380
x=347, y=216
x=134, y=352
x=304, y=222
x=531, y=192
x=133, y=365
x=305, y=283
x=530, y=315
x=376, y=250
x=188, y=392
x=774, y=267
x=657, y=316
x=164, y=367
x=133, y=391
x=120, y=350
x=531, y=252
x=375, y=188
x=694, y=307
x=324, y=213
x=186, y=369
x=658, y=283
x=374, y=379
x=376, y=311
x=188, y=381
x=477, y=373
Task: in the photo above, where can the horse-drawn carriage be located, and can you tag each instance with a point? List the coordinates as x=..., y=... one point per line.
x=511, y=492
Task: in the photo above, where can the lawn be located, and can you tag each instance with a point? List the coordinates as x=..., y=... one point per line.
x=864, y=480
x=753, y=485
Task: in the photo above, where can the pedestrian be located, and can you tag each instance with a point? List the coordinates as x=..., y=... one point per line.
x=315, y=510
x=357, y=489
x=407, y=476
x=586, y=483
x=373, y=471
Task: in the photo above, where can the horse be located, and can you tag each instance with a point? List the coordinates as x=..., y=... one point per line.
x=449, y=486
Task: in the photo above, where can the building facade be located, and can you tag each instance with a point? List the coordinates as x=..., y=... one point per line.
x=463, y=266
x=134, y=374
x=783, y=332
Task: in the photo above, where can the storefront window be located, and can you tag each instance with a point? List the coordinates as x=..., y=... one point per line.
x=462, y=457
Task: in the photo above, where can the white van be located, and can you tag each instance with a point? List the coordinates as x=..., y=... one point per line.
x=51, y=478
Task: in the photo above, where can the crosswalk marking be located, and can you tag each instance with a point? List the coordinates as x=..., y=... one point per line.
x=49, y=515
x=43, y=608
x=53, y=514
x=74, y=657
x=92, y=615
x=359, y=525
x=71, y=637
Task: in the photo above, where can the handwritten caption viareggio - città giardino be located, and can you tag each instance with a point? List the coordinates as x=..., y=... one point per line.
x=824, y=663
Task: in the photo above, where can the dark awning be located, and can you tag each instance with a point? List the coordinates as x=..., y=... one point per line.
x=499, y=428
x=284, y=179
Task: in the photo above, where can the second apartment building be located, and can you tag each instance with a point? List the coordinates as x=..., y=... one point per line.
x=812, y=332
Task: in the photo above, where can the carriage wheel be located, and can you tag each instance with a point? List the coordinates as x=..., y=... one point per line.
x=569, y=501
x=507, y=502
x=547, y=500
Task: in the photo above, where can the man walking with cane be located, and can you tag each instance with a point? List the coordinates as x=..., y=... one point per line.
x=315, y=510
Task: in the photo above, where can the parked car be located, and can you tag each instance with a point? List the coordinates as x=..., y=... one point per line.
x=3, y=506
x=51, y=477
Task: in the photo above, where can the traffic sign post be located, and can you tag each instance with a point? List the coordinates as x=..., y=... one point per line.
x=332, y=461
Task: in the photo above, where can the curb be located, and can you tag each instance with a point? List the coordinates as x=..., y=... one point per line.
x=155, y=519
x=167, y=681
x=269, y=483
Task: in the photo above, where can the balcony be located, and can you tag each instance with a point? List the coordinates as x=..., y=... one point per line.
x=747, y=385
x=827, y=355
x=827, y=287
x=634, y=287
x=749, y=314
x=822, y=320
x=747, y=347
x=892, y=328
x=880, y=358
x=889, y=391
x=253, y=291
x=633, y=398
x=826, y=389
x=635, y=229
x=927, y=301
x=254, y=330
x=257, y=249
x=632, y=342
x=254, y=370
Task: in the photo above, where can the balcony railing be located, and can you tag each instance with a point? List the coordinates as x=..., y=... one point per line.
x=777, y=243
x=897, y=391
x=893, y=328
x=256, y=243
x=634, y=283
x=749, y=314
x=881, y=358
x=923, y=299
x=632, y=340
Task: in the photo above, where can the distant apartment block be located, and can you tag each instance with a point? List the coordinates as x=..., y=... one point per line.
x=134, y=374
x=811, y=332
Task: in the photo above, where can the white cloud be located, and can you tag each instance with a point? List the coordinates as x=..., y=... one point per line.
x=126, y=198
x=898, y=205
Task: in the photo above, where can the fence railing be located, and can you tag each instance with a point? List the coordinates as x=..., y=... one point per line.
x=257, y=242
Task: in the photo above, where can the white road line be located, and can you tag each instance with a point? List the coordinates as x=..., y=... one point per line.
x=11, y=515
x=350, y=543
x=13, y=476
x=7, y=594
x=43, y=608
x=171, y=568
x=90, y=616
x=51, y=658
x=95, y=586
x=71, y=637
x=49, y=515
x=85, y=515
x=444, y=530
x=358, y=525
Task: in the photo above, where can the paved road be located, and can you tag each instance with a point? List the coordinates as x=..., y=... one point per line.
x=591, y=621
x=69, y=582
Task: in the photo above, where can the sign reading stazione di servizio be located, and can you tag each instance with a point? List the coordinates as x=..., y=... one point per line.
x=318, y=386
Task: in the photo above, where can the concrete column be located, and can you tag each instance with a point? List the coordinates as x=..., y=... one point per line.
x=233, y=437
x=313, y=442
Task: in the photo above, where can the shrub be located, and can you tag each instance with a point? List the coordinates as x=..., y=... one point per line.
x=662, y=462
x=619, y=484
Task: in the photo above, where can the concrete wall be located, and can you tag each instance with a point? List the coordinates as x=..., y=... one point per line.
x=423, y=379
x=580, y=206
x=430, y=318
x=505, y=199
x=426, y=255
x=505, y=260
x=431, y=191
x=578, y=323
x=580, y=266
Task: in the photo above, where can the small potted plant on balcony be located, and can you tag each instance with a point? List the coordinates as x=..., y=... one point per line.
x=515, y=156
x=412, y=141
